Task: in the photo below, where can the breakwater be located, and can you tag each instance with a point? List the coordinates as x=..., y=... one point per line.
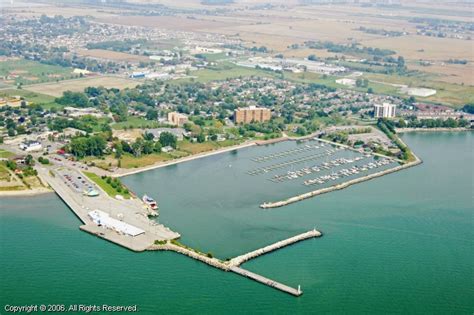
x=234, y=263
x=211, y=261
x=237, y=261
x=281, y=203
x=266, y=281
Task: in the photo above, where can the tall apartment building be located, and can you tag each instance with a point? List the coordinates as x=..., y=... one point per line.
x=177, y=119
x=248, y=114
x=386, y=110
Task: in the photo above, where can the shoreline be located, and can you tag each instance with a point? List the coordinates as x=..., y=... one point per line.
x=403, y=130
x=182, y=160
x=25, y=192
x=125, y=172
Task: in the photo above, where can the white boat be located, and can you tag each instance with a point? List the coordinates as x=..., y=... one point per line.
x=150, y=202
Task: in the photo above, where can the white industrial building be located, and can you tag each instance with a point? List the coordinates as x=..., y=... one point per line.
x=421, y=92
x=103, y=219
x=30, y=146
x=386, y=110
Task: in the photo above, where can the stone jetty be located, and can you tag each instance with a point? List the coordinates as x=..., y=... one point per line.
x=237, y=261
x=234, y=263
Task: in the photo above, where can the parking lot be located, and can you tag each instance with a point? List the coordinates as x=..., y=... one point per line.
x=76, y=181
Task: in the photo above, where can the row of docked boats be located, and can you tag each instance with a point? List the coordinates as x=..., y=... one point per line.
x=304, y=159
x=346, y=172
x=281, y=154
x=314, y=169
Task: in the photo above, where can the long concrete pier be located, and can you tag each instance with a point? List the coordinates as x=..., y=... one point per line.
x=237, y=261
x=266, y=281
x=234, y=263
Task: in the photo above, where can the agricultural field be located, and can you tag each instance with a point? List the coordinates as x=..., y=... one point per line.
x=19, y=71
x=168, y=22
x=111, y=55
x=46, y=101
x=78, y=85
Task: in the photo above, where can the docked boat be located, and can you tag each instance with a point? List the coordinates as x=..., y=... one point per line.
x=150, y=202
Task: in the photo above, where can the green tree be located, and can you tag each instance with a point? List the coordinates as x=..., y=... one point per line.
x=168, y=139
x=152, y=114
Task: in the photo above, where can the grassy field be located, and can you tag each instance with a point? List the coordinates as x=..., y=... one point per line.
x=111, y=191
x=455, y=95
x=6, y=154
x=9, y=181
x=78, y=85
x=215, y=57
x=130, y=161
x=135, y=122
x=28, y=72
x=111, y=55
x=30, y=97
x=194, y=147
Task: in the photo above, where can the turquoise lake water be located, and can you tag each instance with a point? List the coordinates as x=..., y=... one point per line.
x=402, y=243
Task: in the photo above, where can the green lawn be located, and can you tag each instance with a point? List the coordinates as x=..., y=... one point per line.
x=215, y=57
x=46, y=101
x=223, y=71
x=28, y=71
x=130, y=161
x=455, y=95
x=135, y=122
x=195, y=147
x=6, y=154
x=111, y=191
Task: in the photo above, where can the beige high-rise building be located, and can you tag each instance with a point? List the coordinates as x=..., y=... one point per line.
x=248, y=114
x=386, y=110
x=177, y=119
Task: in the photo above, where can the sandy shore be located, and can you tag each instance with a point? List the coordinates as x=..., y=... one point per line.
x=25, y=192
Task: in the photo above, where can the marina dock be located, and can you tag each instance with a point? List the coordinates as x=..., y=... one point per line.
x=281, y=203
x=266, y=281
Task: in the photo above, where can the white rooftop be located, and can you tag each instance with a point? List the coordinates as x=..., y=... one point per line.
x=104, y=219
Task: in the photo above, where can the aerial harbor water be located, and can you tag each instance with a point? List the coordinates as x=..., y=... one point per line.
x=399, y=243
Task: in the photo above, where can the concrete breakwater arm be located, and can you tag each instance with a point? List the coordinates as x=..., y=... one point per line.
x=237, y=261
x=214, y=262
x=276, y=204
x=233, y=264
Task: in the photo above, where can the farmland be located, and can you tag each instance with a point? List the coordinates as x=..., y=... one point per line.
x=56, y=89
x=13, y=72
x=111, y=55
